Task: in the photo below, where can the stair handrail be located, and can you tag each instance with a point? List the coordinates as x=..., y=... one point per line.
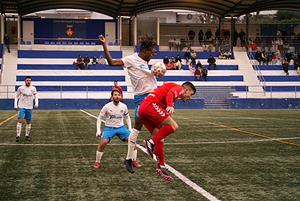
x=258, y=72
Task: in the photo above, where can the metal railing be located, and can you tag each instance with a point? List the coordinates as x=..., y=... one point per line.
x=258, y=72
x=8, y=92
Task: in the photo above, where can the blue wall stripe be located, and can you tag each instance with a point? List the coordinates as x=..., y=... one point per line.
x=64, y=67
x=64, y=54
x=209, y=78
x=74, y=78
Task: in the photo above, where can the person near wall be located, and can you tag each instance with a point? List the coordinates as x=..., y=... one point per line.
x=6, y=42
x=211, y=62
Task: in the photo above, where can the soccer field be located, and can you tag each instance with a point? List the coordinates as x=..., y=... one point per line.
x=232, y=154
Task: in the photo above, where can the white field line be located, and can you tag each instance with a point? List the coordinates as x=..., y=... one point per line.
x=171, y=143
x=178, y=174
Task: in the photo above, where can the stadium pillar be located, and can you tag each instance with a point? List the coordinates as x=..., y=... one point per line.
x=120, y=30
x=2, y=27
x=134, y=30
x=247, y=30
x=158, y=30
x=232, y=21
x=19, y=30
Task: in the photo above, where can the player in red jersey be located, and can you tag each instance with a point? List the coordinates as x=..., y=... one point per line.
x=155, y=113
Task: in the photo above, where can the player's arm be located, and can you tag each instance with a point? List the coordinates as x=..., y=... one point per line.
x=110, y=60
x=172, y=95
x=17, y=96
x=36, y=99
x=128, y=120
x=101, y=117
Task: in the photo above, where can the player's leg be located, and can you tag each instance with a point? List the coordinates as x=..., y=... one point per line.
x=134, y=134
x=19, y=123
x=123, y=134
x=108, y=134
x=28, y=118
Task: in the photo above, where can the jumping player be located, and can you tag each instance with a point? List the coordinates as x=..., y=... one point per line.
x=155, y=112
x=143, y=82
x=113, y=114
x=25, y=96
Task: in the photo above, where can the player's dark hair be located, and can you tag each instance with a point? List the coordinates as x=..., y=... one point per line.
x=190, y=85
x=28, y=77
x=112, y=92
x=147, y=43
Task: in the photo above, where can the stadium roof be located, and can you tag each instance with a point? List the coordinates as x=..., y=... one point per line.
x=114, y=8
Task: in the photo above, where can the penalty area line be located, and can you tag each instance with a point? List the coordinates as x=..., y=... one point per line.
x=183, y=178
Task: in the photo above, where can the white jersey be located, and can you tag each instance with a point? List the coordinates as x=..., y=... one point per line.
x=142, y=80
x=113, y=115
x=26, y=95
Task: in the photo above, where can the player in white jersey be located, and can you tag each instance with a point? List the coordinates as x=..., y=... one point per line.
x=25, y=96
x=113, y=114
x=143, y=81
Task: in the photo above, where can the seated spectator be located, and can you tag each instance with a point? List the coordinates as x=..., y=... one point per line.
x=79, y=63
x=187, y=55
x=178, y=62
x=197, y=73
x=171, y=65
x=193, y=57
x=260, y=57
x=166, y=60
x=285, y=66
x=94, y=61
x=211, y=62
x=86, y=61
x=297, y=64
x=199, y=64
x=288, y=56
x=204, y=72
x=101, y=60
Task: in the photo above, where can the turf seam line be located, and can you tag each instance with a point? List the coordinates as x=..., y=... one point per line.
x=9, y=118
x=170, y=143
x=187, y=181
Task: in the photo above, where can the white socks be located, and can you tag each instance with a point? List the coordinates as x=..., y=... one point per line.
x=28, y=129
x=134, y=155
x=98, y=156
x=131, y=143
x=19, y=129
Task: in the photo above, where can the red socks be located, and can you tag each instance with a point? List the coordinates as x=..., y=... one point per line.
x=160, y=153
x=162, y=134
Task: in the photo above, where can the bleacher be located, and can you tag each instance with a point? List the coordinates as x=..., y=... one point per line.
x=278, y=82
x=55, y=77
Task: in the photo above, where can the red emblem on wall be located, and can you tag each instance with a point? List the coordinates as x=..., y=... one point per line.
x=70, y=32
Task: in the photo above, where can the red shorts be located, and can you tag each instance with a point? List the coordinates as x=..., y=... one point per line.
x=152, y=115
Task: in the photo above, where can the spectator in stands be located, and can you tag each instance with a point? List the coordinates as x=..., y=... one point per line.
x=166, y=60
x=208, y=35
x=86, y=61
x=211, y=62
x=193, y=57
x=101, y=60
x=199, y=64
x=6, y=42
x=285, y=67
x=187, y=55
x=297, y=63
x=260, y=57
x=79, y=63
x=191, y=35
x=242, y=36
x=200, y=37
x=288, y=56
x=118, y=88
x=235, y=37
x=94, y=60
x=204, y=72
x=197, y=73
x=178, y=62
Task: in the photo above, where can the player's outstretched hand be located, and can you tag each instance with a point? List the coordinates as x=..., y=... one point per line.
x=17, y=108
x=98, y=134
x=36, y=106
x=102, y=39
x=170, y=110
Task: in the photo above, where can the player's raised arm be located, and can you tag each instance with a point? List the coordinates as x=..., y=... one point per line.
x=110, y=60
